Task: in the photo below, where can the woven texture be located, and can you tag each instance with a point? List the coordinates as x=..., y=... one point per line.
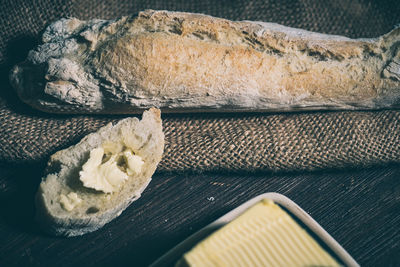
x=217, y=142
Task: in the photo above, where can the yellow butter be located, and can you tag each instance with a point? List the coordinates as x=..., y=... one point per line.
x=264, y=235
x=108, y=167
x=134, y=163
x=70, y=201
x=106, y=177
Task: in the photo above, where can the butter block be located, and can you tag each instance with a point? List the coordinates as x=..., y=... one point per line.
x=264, y=235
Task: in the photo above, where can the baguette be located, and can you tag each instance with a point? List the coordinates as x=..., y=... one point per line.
x=192, y=62
x=72, y=200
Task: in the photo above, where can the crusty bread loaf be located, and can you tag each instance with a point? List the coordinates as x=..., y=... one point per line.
x=96, y=208
x=182, y=61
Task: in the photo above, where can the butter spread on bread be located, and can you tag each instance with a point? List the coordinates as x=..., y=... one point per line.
x=107, y=171
x=69, y=201
x=89, y=184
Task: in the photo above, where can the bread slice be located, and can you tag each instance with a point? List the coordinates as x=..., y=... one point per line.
x=58, y=210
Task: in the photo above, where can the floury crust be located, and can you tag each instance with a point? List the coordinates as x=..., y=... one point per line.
x=192, y=62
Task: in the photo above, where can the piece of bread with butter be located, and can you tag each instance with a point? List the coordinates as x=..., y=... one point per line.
x=181, y=62
x=92, y=182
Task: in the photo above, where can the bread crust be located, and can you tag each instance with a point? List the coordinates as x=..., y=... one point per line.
x=183, y=61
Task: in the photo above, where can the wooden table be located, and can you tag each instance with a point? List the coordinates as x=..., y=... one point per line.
x=359, y=208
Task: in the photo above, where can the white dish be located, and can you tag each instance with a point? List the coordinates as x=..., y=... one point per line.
x=326, y=240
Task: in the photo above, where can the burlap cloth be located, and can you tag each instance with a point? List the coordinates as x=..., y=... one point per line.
x=236, y=142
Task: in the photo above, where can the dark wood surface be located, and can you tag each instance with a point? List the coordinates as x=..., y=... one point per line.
x=359, y=208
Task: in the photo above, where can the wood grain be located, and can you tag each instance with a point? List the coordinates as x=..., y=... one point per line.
x=359, y=208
